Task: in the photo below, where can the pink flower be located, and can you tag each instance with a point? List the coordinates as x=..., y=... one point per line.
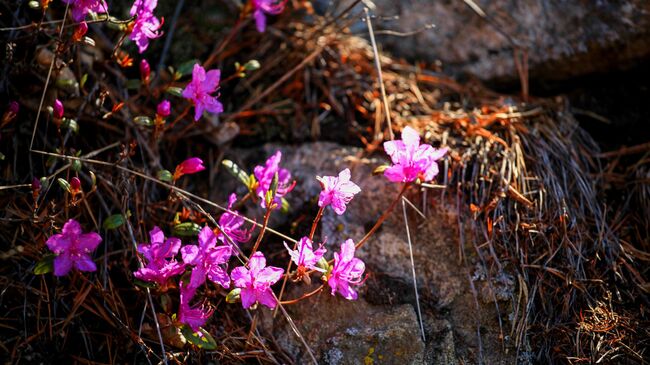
x=189, y=166
x=255, y=283
x=263, y=7
x=196, y=316
x=412, y=161
x=163, y=109
x=305, y=256
x=199, y=90
x=208, y=260
x=337, y=191
x=347, y=270
x=158, y=254
x=13, y=107
x=230, y=225
x=81, y=7
x=146, y=26
x=264, y=175
x=73, y=248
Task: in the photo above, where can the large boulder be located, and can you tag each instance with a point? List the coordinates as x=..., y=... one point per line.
x=562, y=38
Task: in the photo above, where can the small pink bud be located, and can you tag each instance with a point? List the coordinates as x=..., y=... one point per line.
x=14, y=107
x=145, y=70
x=75, y=184
x=36, y=184
x=80, y=31
x=58, y=109
x=189, y=166
x=164, y=108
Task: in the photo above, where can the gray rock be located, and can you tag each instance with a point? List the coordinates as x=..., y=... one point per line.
x=562, y=38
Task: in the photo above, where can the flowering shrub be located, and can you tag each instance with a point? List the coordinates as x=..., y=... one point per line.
x=204, y=257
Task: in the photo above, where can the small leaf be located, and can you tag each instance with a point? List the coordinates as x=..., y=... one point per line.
x=379, y=169
x=93, y=178
x=203, y=341
x=187, y=229
x=186, y=67
x=45, y=266
x=284, y=208
x=76, y=165
x=143, y=284
x=143, y=120
x=83, y=81
x=176, y=91
x=237, y=172
x=64, y=184
x=114, y=221
x=252, y=65
x=233, y=296
x=133, y=84
x=165, y=175
x=70, y=124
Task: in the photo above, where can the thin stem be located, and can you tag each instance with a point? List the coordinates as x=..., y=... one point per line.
x=314, y=224
x=383, y=217
x=266, y=222
x=305, y=296
x=178, y=119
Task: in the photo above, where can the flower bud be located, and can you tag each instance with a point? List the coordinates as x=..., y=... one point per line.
x=14, y=107
x=145, y=70
x=75, y=184
x=80, y=31
x=57, y=109
x=164, y=109
x=189, y=166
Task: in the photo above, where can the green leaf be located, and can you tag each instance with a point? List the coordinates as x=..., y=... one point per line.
x=143, y=284
x=186, y=67
x=252, y=65
x=70, y=124
x=76, y=165
x=46, y=265
x=234, y=296
x=143, y=120
x=237, y=172
x=284, y=208
x=380, y=169
x=83, y=81
x=203, y=341
x=133, y=84
x=114, y=221
x=176, y=91
x=165, y=175
x=64, y=184
x=187, y=229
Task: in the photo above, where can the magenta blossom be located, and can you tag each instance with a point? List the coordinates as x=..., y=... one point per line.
x=264, y=7
x=145, y=26
x=57, y=109
x=347, y=270
x=264, y=175
x=196, y=316
x=164, y=109
x=305, y=256
x=73, y=248
x=161, y=264
x=81, y=7
x=337, y=191
x=255, y=283
x=199, y=90
x=231, y=223
x=208, y=260
x=189, y=166
x=412, y=161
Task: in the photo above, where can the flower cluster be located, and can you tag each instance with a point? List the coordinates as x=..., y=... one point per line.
x=412, y=160
x=265, y=176
x=80, y=8
x=145, y=26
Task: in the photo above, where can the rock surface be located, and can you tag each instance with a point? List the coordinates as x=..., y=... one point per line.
x=563, y=38
x=382, y=327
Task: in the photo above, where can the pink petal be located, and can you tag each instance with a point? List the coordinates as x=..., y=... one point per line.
x=410, y=137
x=190, y=254
x=198, y=277
x=212, y=81
x=156, y=235
x=207, y=239
x=266, y=298
x=62, y=265
x=247, y=298
x=395, y=173
x=269, y=275
x=85, y=263
x=257, y=262
x=71, y=227
x=89, y=241
x=58, y=243
x=241, y=277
